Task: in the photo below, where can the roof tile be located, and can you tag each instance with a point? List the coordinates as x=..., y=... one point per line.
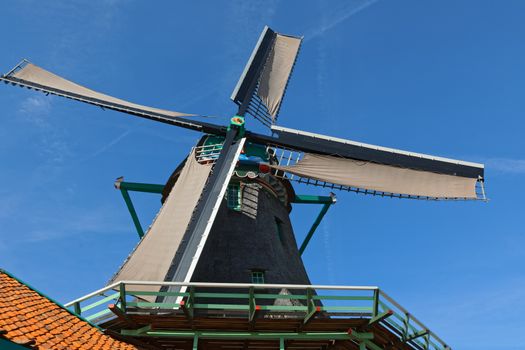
x=28, y=317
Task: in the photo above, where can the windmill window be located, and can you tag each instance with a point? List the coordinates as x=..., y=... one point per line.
x=258, y=277
x=233, y=196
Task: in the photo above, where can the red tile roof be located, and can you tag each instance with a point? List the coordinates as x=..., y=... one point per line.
x=29, y=318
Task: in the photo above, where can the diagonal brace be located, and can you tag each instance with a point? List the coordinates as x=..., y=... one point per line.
x=316, y=223
x=380, y=317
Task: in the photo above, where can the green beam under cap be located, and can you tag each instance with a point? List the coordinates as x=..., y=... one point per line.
x=138, y=187
x=308, y=199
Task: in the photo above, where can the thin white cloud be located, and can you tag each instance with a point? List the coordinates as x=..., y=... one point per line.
x=36, y=110
x=56, y=149
x=95, y=221
x=109, y=144
x=328, y=249
x=339, y=18
x=503, y=302
x=37, y=105
x=9, y=203
x=506, y=165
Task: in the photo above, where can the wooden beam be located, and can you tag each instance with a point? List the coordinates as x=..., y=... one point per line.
x=134, y=341
x=122, y=316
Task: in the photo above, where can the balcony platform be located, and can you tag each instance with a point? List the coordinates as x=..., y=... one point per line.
x=254, y=316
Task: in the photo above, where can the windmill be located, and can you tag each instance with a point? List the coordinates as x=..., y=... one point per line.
x=225, y=208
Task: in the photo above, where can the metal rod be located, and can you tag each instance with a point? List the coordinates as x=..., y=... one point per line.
x=16, y=67
x=196, y=342
x=314, y=227
x=139, y=187
x=481, y=184
x=309, y=199
x=133, y=213
x=93, y=294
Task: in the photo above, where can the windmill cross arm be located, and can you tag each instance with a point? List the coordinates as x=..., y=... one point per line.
x=326, y=145
x=30, y=76
x=262, y=85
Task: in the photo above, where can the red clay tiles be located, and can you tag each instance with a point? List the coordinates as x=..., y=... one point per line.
x=30, y=319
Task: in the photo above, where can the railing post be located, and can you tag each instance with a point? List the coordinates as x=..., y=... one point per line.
x=252, y=305
x=196, y=342
x=281, y=343
x=406, y=322
x=375, y=308
x=78, y=310
x=309, y=301
x=312, y=309
x=191, y=301
x=122, y=289
x=427, y=341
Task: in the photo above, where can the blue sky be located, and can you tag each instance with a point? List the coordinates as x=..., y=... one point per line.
x=439, y=77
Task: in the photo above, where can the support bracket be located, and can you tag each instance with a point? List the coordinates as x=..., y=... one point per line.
x=312, y=308
x=125, y=187
x=327, y=202
x=253, y=307
x=380, y=317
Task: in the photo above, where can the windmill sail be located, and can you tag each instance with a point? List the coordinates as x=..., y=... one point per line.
x=277, y=70
x=29, y=75
x=262, y=85
x=382, y=178
x=153, y=256
x=371, y=169
x=195, y=238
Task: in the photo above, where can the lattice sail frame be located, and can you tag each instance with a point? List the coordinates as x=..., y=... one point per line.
x=261, y=69
x=286, y=157
x=256, y=107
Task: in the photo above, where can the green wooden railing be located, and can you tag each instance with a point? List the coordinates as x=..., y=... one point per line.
x=130, y=297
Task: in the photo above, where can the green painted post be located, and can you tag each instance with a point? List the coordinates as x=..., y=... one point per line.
x=78, y=311
x=308, y=199
x=311, y=308
x=139, y=187
x=191, y=302
x=362, y=346
x=132, y=211
x=406, y=322
x=281, y=343
x=375, y=309
x=122, y=288
x=316, y=223
x=196, y=342
x=251, y=305
x=427, y=341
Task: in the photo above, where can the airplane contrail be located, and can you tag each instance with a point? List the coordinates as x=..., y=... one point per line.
x=320, y=31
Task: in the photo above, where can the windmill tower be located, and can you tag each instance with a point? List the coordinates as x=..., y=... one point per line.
x=225, y=213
